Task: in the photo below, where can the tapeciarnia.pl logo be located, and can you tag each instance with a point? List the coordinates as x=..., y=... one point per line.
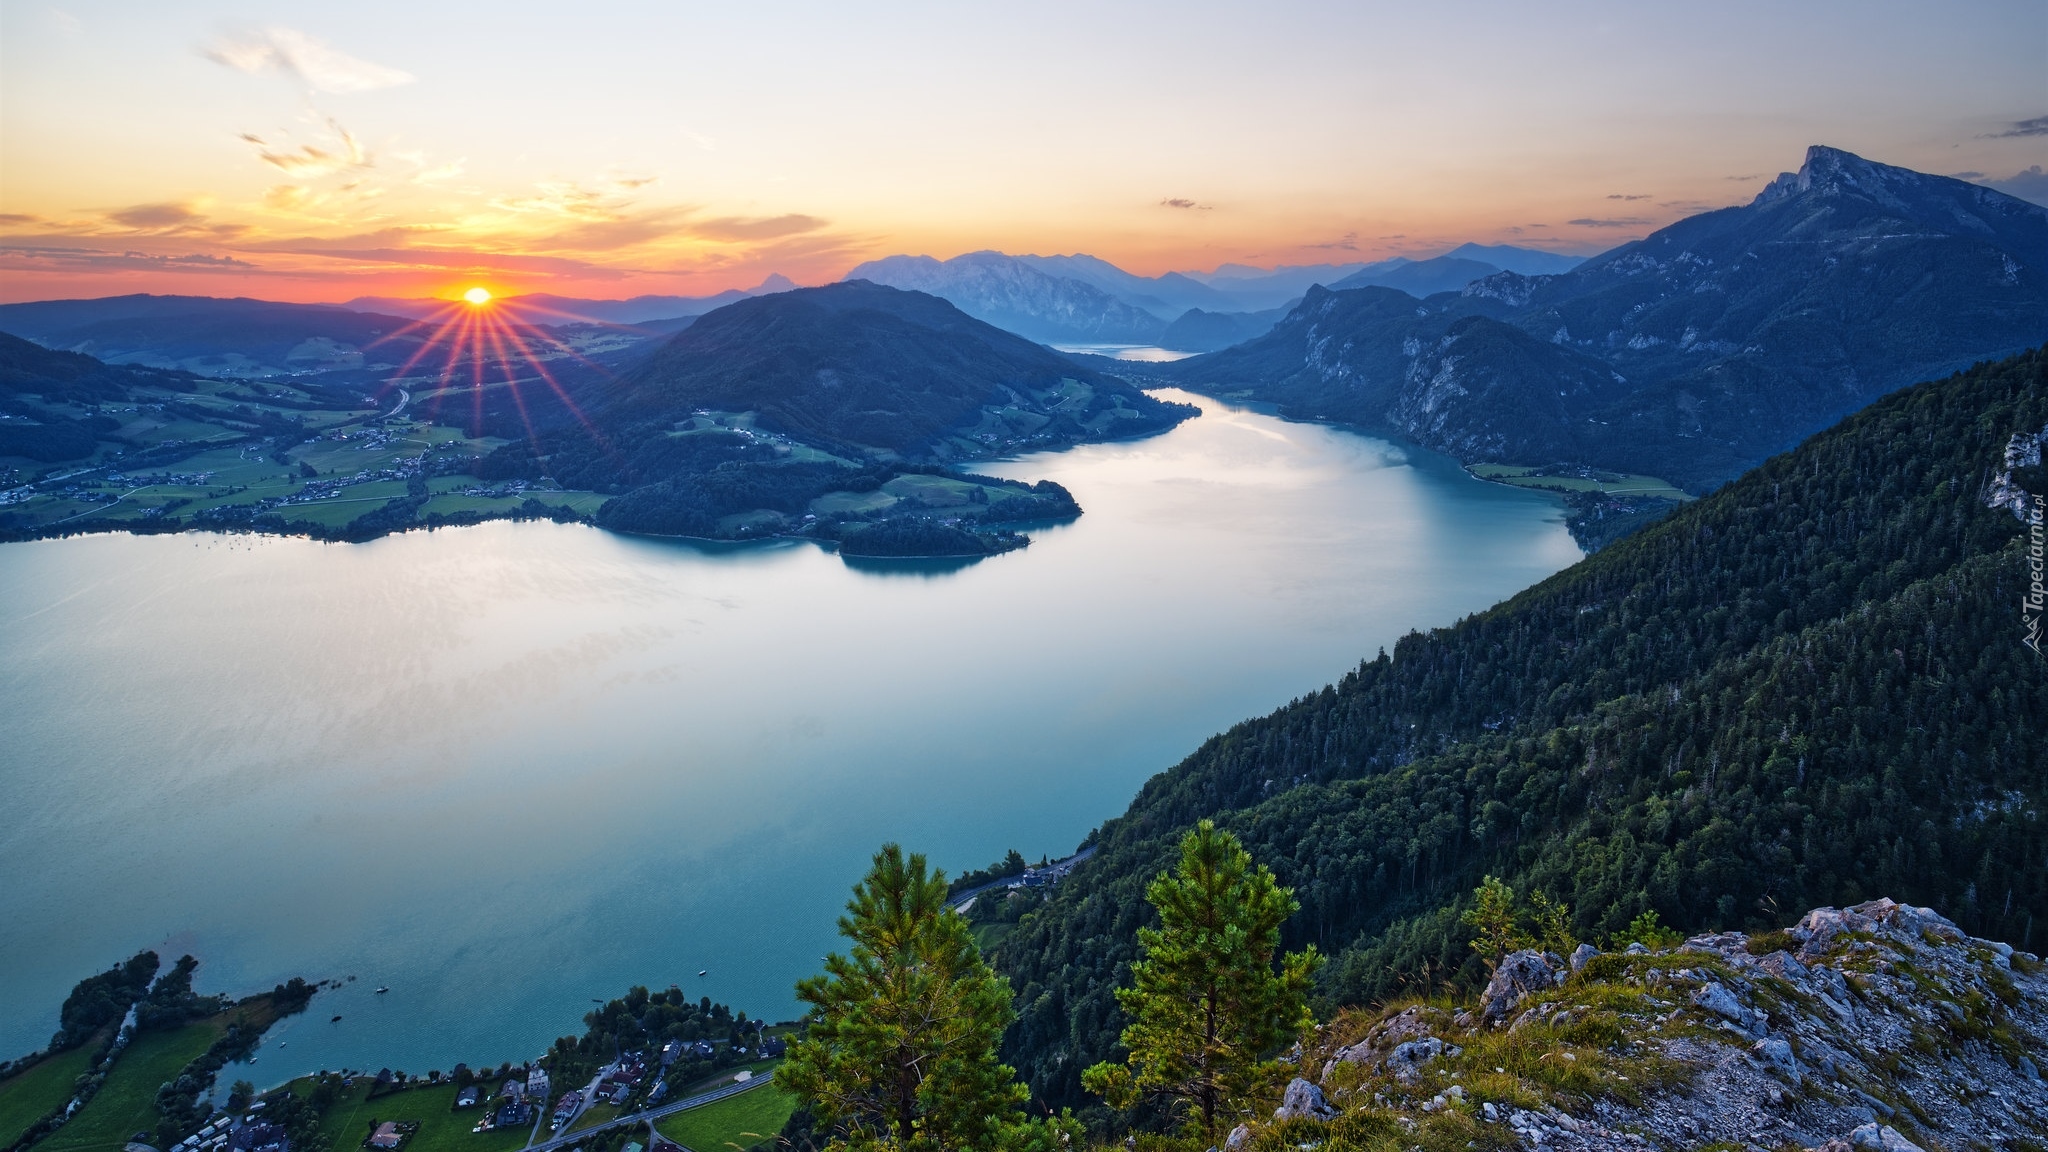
x=2036, y=600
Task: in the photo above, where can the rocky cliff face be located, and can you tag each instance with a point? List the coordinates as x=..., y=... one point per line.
x=1880, y=1026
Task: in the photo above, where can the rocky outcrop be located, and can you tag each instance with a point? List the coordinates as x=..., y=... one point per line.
x=1882, y=1026
x=1303, y=1101
x=1519, y=975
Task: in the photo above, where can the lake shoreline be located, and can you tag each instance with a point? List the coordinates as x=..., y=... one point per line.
x=553, y=759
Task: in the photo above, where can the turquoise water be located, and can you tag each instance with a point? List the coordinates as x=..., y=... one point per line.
x=508, y=769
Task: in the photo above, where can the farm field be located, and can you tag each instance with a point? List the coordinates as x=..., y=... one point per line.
x=126, y=1103
x=748, y=1120
x=442, y=1129
x=1607, y=483
x=31, y=1095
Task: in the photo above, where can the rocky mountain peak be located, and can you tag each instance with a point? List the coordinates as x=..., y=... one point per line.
x=1932, y=201
x=1833, y=172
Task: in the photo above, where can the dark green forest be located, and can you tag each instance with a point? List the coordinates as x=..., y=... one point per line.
x=1808, y=688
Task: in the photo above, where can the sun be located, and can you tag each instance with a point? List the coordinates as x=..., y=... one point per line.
x=478, y=296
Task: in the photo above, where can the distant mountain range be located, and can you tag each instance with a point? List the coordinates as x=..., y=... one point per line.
x=543, y=308
x=258, y=339
x=1084, y=300
x=1690, y=354
x=231, y=338
x=1015, y=294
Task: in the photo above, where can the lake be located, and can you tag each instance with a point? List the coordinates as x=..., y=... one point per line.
x=511, y=768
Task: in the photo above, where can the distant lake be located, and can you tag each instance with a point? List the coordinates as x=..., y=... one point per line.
x=511, y=768
x=1144, y=352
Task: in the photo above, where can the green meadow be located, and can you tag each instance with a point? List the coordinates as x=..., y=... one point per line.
x=27, y=1097
x=750, y=1119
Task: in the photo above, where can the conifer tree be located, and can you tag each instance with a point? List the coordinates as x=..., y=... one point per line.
x=902, y=1041
x=1209, y=1008
x=1492, y=919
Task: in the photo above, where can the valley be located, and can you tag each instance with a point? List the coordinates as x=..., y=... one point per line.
x=1496, y=561
x=101, y=447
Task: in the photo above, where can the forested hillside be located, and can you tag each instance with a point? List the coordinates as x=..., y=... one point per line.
x=1806, y=689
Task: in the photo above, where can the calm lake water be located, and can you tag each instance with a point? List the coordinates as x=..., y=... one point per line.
x=511, y=768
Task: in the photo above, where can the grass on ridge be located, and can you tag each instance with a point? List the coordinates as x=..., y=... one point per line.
x=442, y=1129
x=126, y=1103
x=44, y=1087
x=748, y=1120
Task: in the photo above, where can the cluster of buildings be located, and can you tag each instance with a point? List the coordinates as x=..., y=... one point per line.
x=229, y=1133
x=522, y=1094
x=617, y=1084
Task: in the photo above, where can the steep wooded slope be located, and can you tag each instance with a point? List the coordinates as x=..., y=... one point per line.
x=1808, y=688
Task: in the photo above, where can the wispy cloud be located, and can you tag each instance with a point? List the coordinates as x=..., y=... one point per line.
x=169, y=218
x=1184, y=202
x=2038, y=126
x=1345, y=243
x=45, y=257
x=1621, y=196
x=738, y=228
x=321, y=67
x=156, y=217
x=1607, y=222
x=339, y=152
x=562, y=198
x=464, y=259
x=2027, y=184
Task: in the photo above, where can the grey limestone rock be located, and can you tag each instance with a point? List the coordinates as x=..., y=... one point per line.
x=1303, y=1101
x=1407, y=1059
x=1774, y=1053
x=1518, y=975
x=1881, y=1138
x=1716, y=998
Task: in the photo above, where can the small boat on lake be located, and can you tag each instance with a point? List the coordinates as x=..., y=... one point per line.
x=383, y=990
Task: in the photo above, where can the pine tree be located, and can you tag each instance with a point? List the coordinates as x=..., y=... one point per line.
x=1209, y=1009
x=1492, y=919
x=902, y=1040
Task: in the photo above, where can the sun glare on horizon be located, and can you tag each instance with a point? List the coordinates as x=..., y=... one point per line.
x=478, y=296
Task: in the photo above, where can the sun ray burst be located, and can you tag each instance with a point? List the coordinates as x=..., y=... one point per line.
x=500, y=344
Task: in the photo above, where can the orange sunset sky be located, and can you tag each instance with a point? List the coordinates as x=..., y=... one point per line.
x=322, y=151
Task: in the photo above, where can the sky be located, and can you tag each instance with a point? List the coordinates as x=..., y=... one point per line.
x=321, y=151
